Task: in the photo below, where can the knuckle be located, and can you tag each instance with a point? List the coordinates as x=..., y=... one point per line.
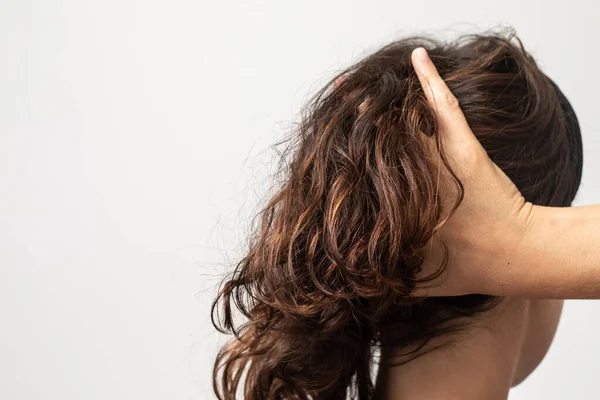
x=449, y=101
x=475, y=154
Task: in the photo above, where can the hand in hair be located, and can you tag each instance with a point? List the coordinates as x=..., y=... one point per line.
x=499, y=243
x=492, y=217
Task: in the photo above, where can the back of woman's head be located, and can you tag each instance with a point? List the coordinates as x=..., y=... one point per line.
x=334, y=258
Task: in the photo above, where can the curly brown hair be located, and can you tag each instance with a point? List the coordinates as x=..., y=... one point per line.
x=336, y=251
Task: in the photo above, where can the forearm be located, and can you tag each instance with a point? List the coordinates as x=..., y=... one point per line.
x=559, y=256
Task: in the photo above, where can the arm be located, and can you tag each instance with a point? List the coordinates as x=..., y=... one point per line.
x=498, y=243
x=561, y=253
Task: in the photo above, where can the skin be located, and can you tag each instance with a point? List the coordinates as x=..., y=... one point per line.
x=499, y=245
x=498, y=351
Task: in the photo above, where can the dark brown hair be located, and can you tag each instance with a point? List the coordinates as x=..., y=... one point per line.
x=334, y=256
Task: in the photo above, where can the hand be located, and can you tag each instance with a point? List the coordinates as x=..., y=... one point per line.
x=485, y=231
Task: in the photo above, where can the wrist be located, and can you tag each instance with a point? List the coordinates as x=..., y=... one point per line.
x=529, y=246
x=543, y=263
x=512, y=250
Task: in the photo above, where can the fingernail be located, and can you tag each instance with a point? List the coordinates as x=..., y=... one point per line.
x=421, y=54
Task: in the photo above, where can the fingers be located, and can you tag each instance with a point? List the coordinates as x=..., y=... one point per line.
x=450, y=117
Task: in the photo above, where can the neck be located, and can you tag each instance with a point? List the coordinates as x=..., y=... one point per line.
x=480, y=364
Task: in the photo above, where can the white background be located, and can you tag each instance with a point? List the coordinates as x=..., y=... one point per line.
x=133, y=142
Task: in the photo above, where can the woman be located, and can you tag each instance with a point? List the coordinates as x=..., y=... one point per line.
x=390, y=201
